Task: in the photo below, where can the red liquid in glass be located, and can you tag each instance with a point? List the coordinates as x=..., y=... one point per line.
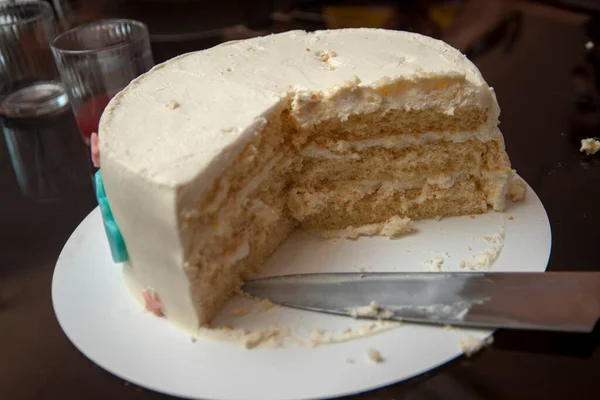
x=88, y=114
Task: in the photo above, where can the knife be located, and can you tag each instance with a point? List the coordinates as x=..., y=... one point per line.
x=554, y=301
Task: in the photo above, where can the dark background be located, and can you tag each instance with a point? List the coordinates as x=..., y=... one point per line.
x=532, y=53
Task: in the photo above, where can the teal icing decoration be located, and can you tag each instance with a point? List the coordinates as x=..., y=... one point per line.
x=118, y=249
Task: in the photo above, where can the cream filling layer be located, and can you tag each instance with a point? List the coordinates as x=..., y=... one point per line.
x=345, y=147
x=353, y=97
x=241, y=197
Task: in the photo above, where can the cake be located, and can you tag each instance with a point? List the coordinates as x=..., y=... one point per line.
x=212, y=158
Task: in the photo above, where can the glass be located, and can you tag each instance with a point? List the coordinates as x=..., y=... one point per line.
x=96, y=61
x=46, y=152
x=48, y=156
x=26, y=30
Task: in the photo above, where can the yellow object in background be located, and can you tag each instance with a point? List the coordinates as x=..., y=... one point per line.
x=444, y=15
x=338, y=17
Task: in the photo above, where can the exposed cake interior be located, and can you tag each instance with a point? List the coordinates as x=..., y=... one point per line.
x=324, y=171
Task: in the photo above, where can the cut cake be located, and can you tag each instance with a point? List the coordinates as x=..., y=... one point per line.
x=211, y=159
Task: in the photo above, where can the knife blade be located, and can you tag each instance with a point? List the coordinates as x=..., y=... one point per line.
x=555, y=301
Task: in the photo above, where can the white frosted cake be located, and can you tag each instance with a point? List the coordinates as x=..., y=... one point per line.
x=211, y=159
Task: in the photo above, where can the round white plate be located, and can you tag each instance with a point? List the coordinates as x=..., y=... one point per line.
x=102, y=320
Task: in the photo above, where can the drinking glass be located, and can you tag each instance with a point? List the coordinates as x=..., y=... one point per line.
x=49, y=159
x=26, y=30
x=96, y=61
x=47, y=155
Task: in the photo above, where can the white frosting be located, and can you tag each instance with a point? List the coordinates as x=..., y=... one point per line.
x=239, y=253
x=263, y=212
x=172, y=131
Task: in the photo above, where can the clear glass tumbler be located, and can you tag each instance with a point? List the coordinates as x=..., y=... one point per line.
x=26, y=30
x=96, y=61
x=48, y=157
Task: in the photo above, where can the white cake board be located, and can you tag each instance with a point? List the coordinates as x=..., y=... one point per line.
x=102, y=320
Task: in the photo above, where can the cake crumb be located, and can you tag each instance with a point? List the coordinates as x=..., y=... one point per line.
x=263, y=304
x=350, y=361
x=253, y=339
x=240, y=311
x=307, y=49
x=367, y=311
x=516, y=188
x=172, y=105
x=434, y=265
x=392, y=228
x=438, y=218
x=496, y=238
x=471, y=217
x=482, y=260
x=511, y=218
x=366, y=328
x=325, y=55
x=590, y=146
x=268, y=337
x=266, y=304
x=589, y=45
x=320, y=337
x=449, y=328
x=471, y=345
x=193, y=339
x=272, y=336
x=374, y=356
x=396, y=226
x=373, y=310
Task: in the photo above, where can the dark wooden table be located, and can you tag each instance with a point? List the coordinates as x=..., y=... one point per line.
x=534, y=84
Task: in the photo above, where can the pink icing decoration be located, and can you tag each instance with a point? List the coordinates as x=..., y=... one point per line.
x=95, y=150
x=152, y=302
